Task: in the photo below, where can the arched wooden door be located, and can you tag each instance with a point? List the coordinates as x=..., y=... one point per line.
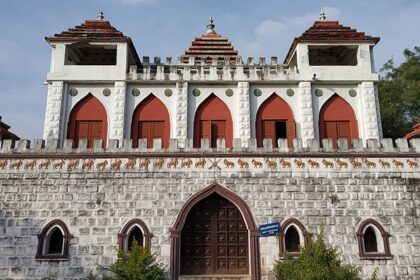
x=337, y=120
x=213, y=121
x=274, y=121
x=151, y=121
x=88, y=120
x=214, y=239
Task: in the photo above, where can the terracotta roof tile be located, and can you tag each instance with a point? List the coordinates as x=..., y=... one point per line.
x=5, y=133
x=330, y=32
x=208, y=45
x=415, y=133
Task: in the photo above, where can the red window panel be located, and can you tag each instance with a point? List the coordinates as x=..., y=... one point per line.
x=150, y=130
x=90, y=130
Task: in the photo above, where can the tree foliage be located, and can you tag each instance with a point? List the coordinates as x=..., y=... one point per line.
x=136, y=264
x=316, y=262
x=399, y=94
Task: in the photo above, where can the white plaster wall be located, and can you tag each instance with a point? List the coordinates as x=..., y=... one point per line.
x=60, y=71
x=145, y=90
x=218, y=90
x=267, y=91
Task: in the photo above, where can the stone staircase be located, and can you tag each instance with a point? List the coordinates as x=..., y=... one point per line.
x=214, y=277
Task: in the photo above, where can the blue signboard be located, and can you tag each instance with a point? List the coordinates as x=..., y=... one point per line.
x=270, y=229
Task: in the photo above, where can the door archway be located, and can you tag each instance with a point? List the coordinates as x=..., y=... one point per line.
x=194, y=240
x=88, y=120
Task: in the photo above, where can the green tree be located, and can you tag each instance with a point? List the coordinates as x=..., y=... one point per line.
x=399, y=94
x=136, y=264
x=316, y=262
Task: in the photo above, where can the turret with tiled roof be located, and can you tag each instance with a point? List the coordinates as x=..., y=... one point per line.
x=209, y=45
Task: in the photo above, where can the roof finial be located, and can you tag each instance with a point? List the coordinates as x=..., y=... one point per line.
x=210, y=26
x=101, y=15
x=322, y=16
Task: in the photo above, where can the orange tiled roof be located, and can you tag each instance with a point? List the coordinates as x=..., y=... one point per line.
x=330, y=32
x=5, y=133
x=415, y=133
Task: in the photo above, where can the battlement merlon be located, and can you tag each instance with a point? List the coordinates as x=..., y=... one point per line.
x=374, y=148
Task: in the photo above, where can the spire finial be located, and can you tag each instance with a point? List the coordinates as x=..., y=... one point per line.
x=210, y=26
x=101, y=15
x=322, y=16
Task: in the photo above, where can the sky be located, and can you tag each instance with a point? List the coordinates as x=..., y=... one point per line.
x=257, y=28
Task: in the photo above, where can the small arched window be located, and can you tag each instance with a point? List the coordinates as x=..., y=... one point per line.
x=53, y=241
x=134, y=230
x=373, y=241
x=293, y=237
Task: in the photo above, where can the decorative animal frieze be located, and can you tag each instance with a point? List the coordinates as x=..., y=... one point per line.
x=186, y=163
x=299, y=164
x=200, y=163
x=384, y=164
x=243, y=164
x=159, y=163
x=272, y=164
x=16, y=165
x=44, y=165
x=286, y=164
x=257, y=164
x=145, y=164
x=101, y=165
x=356, y=164
x=59, y=165
x=72, y=164
x=130, y=164
x=88, y=164
x=369, y=164
x=412, y=164
x=30, y=165
x=341, y=163
x=116, y=164
x=328, y=164
x=172, y=163
x=313, y=164
x=3, y=164
x=397, y=163
x=229, y=164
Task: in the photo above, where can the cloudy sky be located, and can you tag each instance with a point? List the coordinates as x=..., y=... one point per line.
x=163, y=28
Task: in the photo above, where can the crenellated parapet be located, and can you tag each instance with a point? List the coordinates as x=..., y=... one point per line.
x=211, y=69
x=379, y=157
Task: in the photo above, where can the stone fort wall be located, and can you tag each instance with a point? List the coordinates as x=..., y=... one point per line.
x=380, y=182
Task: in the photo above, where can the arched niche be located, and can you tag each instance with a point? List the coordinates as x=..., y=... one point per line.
x=212, y=121
x=88, y=120
x=253, y=232
x=134, y=229
x=303, y=237
x=53, y=241
x=338, y=120
x=275, y=120
x=151, y=121
x=372, y=231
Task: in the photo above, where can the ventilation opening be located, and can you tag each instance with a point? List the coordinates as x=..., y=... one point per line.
x=369, y=238
x=135, y=235
x=84, y=54
x=327, y=55
x=281, y=130
x=292, y=240
x=55, y=242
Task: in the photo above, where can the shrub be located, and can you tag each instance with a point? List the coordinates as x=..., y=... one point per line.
x=316, y=262
x=136, y=264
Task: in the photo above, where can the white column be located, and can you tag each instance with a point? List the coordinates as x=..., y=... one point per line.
x=116, y=118
x=370, y=111
x=53, y=110
x=306, y=112
x=244, y=112
x=181, y=122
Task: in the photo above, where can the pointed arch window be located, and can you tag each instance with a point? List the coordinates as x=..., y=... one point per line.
x=53, y=241
x=373, y=241
x=134, y=230
x=292, y=238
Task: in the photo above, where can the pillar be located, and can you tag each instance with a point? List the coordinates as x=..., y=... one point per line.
x=370, y=108
x=244, y=113
x=53, y=111
x=118, y=111
x=181, y=124
x=306, y=112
